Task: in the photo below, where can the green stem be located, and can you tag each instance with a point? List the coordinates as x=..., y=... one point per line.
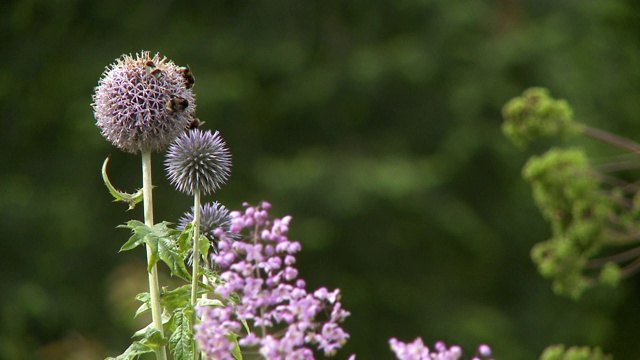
x=196, y=261
x=196, y=248
x=154, y=287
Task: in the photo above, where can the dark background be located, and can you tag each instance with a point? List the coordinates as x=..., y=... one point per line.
x=375, y=124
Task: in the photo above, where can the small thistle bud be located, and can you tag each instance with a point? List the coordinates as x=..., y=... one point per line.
x=213, y=216
x=141, y=103
x=198, y=161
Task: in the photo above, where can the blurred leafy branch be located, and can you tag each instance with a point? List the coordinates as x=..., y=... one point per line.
x=591, y=206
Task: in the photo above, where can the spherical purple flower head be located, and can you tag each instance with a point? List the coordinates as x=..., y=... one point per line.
x=285, y=321
x=142, y=103
x=198, y=161
x=214, y=221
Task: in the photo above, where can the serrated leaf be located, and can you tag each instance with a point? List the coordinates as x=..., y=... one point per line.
x=168, y=252
x=184, y=239
x=131, y=199
x=163, y=243
x=176, y=298
x=211, y=276
x=140, y=231
x=181, y=343
x=153, y=337
x=145, y=298
x=142, y=332
x=133, y=351
x=203, y=246
x=209, y=302
x=153, y=259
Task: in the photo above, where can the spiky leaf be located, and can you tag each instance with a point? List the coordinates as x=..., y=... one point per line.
x=131, y=199
x=181, y=342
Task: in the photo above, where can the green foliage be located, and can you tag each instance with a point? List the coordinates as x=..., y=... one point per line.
x=536, y=114
x=171, y=246
x=133, y=351
x=610, y=274
x=131, y=199
x=569, y=196
x=181, y=342
x=560, y=352
x=568, y=193
x=151, y=340
x=166, y=244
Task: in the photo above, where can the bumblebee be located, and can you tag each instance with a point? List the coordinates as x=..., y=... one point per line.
x=189, y=80
x=177, y=104
x=151, y=69
x=196, y=123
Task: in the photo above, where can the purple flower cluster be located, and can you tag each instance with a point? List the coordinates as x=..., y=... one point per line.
x=418, y=351
x=257, y=270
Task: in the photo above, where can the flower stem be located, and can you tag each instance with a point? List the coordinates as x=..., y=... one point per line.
x=196, y=262
x=611, y=138
x=196, y=248
x=154, y=287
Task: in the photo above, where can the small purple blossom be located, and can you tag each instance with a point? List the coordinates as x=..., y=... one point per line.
x=285, y=321
x=417, y=350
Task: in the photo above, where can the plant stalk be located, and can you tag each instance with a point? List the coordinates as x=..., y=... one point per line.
x=196, y=262
x=196, y=247
x=154, y=287
x=611, y=138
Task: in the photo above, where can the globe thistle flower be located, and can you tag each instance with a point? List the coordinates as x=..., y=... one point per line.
x=142, y=102
x=198, y=161
x=215, y=222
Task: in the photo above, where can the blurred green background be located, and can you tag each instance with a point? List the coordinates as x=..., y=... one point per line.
x=376, y=124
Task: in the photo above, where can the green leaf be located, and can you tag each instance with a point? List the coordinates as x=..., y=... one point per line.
x=145, y=298
x=131, y=199
x=170, y=253
x=237, y=354
x=177, y=298
x=246, y=325
x=184, y=239
x=140, y=232
x=211, y=276
x=153, y=337
x=181, y=297
x=561, y=352
x=209, y=302
x=164, y=244
x=133, y=351
x=181, y=343
x=203, y=246
x=142, y=332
